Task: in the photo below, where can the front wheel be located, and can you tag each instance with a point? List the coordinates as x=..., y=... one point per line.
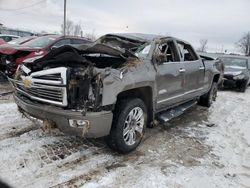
x=242, y=86
x=130, y=118
x=208, y=98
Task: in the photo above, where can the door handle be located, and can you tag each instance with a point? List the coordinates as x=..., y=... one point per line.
x=181, y=70
x=201, y=68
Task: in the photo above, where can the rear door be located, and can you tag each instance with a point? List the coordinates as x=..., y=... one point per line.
x=170, y=74
x=194, y=71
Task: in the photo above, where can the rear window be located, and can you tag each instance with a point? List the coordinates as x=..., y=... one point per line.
x=62, y=43
x=187, y=52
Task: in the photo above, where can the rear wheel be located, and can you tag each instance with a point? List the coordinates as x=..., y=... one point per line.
x=128, y=126
x=208, y=98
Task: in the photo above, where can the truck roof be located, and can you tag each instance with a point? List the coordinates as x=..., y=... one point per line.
x=143, y=37
x=136, y=36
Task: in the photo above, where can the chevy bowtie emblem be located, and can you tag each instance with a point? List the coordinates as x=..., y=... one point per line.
x=27, y=82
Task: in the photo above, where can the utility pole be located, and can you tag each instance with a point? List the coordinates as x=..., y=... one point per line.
x=64, y=19
x=248, y=44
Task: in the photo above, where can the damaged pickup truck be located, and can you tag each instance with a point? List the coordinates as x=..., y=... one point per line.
x=115, y=87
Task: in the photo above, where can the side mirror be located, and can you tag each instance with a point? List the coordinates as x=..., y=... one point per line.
x=53, y=47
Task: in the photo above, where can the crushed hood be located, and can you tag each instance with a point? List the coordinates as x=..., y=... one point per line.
x=110, y=45
x=98, y=48
x=88, y=48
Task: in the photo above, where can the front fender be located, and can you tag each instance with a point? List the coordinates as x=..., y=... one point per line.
x=133, y=77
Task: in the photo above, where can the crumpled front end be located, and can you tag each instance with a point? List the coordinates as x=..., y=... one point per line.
x=46, y=86
x=232, y=79
x=65, y=97
x=66, y=86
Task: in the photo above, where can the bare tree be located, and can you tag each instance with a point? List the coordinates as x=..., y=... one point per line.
x=203, y=45
x=72, y=28
x=77, y=30
x=91, y=36
x=68, y=28
x=244, y=44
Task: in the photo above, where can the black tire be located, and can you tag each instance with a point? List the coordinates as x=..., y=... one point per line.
x=3, y=78
x=208, y=98
x=117, y=139
x=242, y=86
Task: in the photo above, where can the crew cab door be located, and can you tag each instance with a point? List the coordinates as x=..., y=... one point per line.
x=170, y=74
x=194, y=71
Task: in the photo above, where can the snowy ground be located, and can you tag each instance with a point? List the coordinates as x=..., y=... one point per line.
x=202, y=148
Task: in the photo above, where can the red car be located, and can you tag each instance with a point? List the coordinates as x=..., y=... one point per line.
x=12, y=56
x=2, y=41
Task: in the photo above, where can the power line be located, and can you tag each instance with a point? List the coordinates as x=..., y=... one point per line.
x=23, y=7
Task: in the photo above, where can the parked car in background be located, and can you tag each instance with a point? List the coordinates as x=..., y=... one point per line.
x=116, y=86
x=237, y=72
x=8, y=38
x=13, y=56
x=14, y=43
x=11, y=44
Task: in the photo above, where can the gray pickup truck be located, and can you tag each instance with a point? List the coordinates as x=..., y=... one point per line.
x=115, y=87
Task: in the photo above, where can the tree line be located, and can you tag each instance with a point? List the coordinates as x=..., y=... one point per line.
x=243, y=44
x=75, y=29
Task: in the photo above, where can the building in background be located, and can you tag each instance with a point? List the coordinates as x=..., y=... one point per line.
x=18, y=32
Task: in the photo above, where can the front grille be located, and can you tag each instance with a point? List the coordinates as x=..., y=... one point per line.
x=228, y=76
x=47, y=86
x=50, y=77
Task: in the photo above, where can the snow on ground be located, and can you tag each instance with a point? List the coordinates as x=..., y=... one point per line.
x=202, y=148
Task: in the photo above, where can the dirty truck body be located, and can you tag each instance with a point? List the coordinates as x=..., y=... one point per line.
x=114, y=87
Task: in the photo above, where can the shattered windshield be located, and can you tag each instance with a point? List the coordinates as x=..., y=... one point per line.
x=143, y=51
x=234, y=62
x=40, y=42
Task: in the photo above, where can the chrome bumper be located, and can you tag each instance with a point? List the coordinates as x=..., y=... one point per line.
x=99, y=122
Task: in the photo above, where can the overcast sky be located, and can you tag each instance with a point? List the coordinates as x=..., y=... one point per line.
x=221, y=22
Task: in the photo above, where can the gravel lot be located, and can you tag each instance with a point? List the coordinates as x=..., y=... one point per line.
x=202, y=148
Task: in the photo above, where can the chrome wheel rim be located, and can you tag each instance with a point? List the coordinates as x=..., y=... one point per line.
x=133, y=126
